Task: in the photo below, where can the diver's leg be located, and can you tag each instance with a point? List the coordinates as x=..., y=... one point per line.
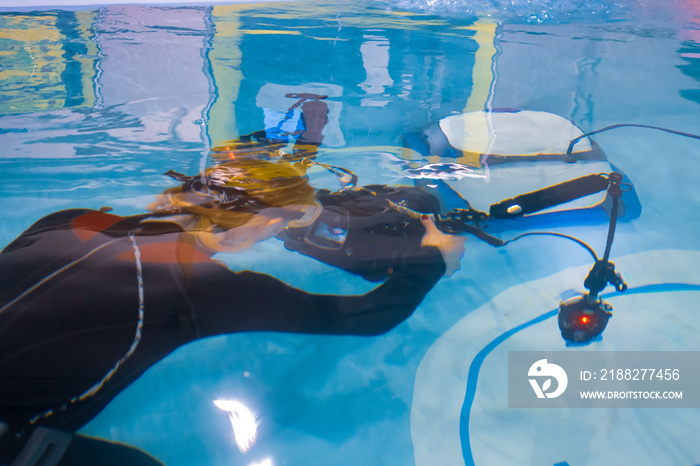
x=315, y=116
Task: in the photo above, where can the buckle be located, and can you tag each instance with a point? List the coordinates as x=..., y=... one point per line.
x=44, y=448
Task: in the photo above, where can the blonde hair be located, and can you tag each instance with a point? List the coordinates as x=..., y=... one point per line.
x=229, y=195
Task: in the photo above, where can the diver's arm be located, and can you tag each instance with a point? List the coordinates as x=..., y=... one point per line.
x=391, y=303
x=227, y=302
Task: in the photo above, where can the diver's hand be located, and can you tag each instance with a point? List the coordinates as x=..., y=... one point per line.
x=451, y=246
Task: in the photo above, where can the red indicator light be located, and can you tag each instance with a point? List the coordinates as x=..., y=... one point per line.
x=584, y=319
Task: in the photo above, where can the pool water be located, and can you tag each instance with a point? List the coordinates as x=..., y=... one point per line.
x=96, y=103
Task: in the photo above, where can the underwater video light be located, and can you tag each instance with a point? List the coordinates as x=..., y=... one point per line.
x=583, y=318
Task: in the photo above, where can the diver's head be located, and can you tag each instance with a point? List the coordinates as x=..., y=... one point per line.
x=257, y=198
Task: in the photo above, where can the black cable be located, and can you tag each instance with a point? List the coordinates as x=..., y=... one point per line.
x=622, y=125
x=551, y=233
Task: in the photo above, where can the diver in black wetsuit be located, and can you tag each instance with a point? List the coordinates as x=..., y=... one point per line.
x=90, y=300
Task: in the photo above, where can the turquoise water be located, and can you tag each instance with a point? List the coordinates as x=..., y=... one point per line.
x=96, y=104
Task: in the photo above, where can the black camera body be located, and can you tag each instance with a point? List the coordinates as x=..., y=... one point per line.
x=360, y=232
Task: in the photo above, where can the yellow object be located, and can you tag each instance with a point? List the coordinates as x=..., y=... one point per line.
x=482, y=73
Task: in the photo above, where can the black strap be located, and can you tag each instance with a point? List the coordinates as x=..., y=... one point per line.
x=549, y=197
x=482, y=235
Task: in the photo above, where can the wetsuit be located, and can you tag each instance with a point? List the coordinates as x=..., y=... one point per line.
x=70, y=302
